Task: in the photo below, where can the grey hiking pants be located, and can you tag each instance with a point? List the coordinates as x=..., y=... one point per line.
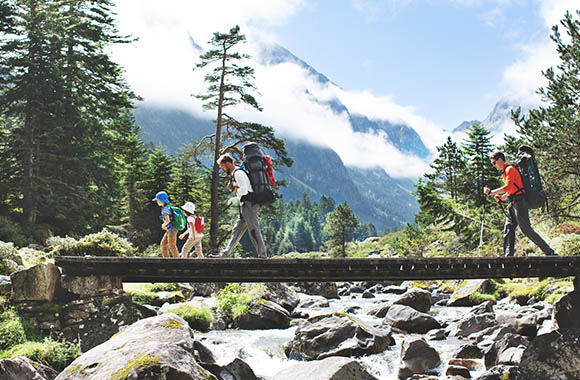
x=518, y=215
x=248, y=220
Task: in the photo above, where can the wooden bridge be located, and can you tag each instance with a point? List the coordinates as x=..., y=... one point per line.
x=132, y=269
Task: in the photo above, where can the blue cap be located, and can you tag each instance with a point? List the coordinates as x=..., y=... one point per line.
x=162, y=196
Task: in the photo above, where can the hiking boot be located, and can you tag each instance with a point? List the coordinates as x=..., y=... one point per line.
x=220, y=255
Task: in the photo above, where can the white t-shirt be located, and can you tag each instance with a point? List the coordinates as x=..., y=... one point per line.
x=242, y=180
x=193, y=234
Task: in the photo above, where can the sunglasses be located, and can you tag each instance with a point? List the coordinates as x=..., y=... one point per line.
x=493, y=162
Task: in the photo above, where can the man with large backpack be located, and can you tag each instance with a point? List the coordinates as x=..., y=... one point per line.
x=518, y=207
x=249, y=207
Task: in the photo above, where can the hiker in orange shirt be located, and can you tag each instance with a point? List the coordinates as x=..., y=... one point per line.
x=518, y=211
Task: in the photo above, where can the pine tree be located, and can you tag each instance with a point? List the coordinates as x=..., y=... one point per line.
x=447, y=168
x=479, y=173
x=64, y=92
x=230, y=84
x=132, y=164
x=554, y=129
x=158, y=171
x=340, y=225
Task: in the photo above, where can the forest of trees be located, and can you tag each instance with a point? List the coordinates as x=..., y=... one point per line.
x=71, y=156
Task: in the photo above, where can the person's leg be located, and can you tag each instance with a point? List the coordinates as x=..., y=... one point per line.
x=163, y=245
x=250, y=213
x=509, y=233
x=198, y=249
x=187, y=247
x=237, y=232
x=172, y=242
x=523, y=219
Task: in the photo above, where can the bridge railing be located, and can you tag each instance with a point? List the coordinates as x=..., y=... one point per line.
x=132, y=269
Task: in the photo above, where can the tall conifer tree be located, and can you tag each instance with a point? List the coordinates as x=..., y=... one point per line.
x=477, y=148
x=64, y=92
x=230, y=84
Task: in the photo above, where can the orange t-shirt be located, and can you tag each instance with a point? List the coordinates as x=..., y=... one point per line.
x=512, y=179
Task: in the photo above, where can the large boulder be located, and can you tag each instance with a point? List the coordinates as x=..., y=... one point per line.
x=552, y=356
x=473, y=323
x=25, y=369
x=337, y=335
x=417, y=356
x=333, y=368
x=38, y=283
x=416, y=298
x=282, y=295
x=264, y=315
x=88, y=286
x=236, y=370
x=324, y=289
x=511, y=356
x=497, y=349
x=154, y=348
x=408, y=319
x=567, y=310
x=462, y=296
x=311, y=302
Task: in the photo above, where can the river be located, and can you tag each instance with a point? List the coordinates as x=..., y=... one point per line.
x=263, y=350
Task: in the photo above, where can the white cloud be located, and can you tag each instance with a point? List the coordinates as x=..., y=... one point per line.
x=524, y=77
x=494, y=17
x=293, y=103
x=368, y=8
x=159, y=68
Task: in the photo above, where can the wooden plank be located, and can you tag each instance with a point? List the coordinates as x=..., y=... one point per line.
x=132, y=269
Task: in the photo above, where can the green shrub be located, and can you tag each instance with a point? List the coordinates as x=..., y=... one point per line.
x=151, y=251
x=235, y=299
x=143, y=296
x=55, y=354
x=566, y=244
x=482, y=297
x=12, y=330
x=104, y=243
x=32, y=257
x=8, y=258
x=162, y=287
x=198, y=318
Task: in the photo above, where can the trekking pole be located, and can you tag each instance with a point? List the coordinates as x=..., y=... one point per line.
x=502, y=208
x=482, y=220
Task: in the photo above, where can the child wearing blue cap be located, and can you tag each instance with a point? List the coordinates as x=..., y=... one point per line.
x=169, y=241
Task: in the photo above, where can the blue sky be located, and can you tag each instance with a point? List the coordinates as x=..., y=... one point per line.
x=430, y=64
x=444, y=58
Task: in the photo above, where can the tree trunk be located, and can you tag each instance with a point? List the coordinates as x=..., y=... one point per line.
x=214, y=211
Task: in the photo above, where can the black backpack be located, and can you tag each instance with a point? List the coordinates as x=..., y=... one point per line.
x=526, y=164
x=256, y=167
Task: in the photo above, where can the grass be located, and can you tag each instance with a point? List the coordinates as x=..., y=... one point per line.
x=198, y=318
x=13, y=330
x=549, y=290
x=145, y=294
x=52, y=353
x=235, y=300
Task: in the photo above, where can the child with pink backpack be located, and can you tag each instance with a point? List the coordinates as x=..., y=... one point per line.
x=194, y=229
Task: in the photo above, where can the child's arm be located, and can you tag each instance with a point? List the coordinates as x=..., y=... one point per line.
x=165, y=221
x=190, y=228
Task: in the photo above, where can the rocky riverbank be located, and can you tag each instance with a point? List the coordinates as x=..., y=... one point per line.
x=300, y=331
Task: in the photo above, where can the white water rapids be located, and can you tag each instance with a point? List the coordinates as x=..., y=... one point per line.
x=263, y=350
